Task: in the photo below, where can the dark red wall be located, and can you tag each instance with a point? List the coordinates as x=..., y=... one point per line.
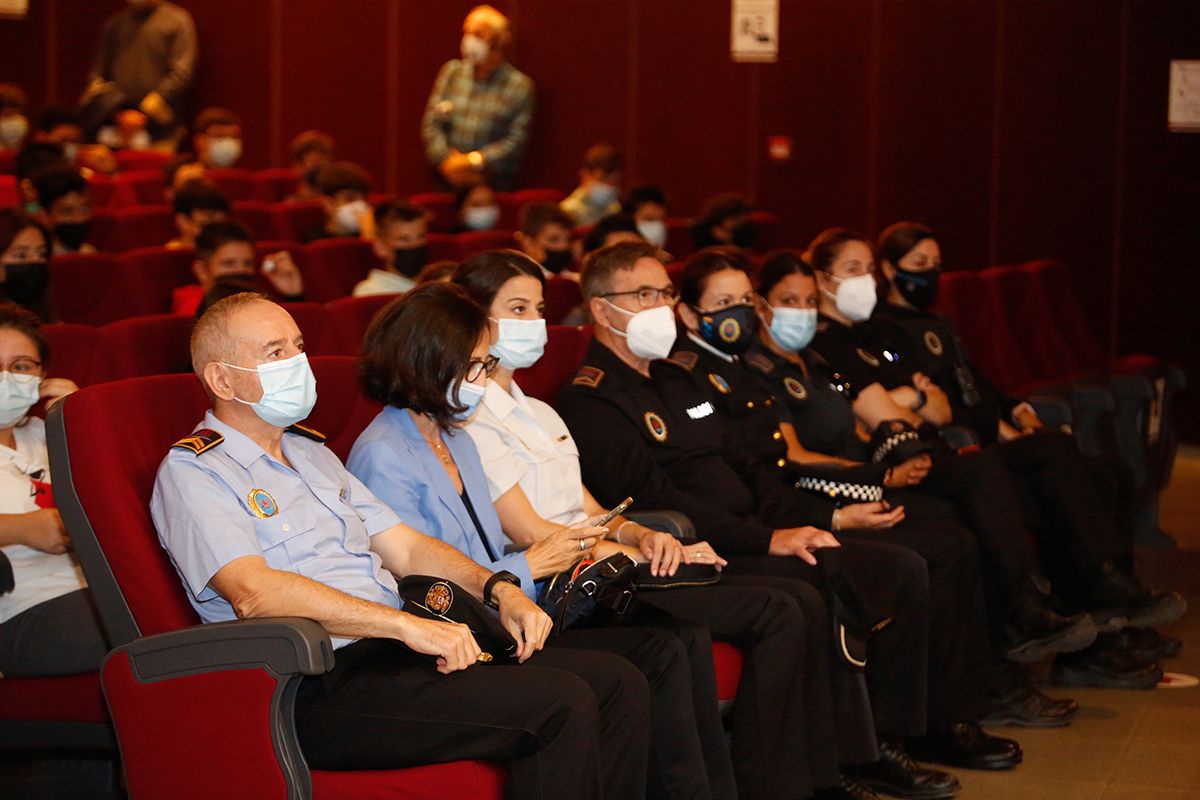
x=1018, y=129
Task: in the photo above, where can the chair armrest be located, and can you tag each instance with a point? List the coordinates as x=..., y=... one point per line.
x=1054, y=412
x=285, y=645
x=1091, y=398
x=672, y=522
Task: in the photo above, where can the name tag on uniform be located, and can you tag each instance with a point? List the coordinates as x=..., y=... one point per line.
x=701, y=411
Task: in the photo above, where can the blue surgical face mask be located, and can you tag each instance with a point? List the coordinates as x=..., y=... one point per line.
x=521, y=342
x=289, y=390
x=469, y=395
x=793, y=328
x=481, y=218
x=603, y=194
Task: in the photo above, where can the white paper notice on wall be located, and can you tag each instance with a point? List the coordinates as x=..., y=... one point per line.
x=14, y=9
x=754, y=35
x=1183, y=107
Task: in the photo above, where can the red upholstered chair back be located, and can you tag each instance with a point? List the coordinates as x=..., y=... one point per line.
x=9, y=196
x=91, y=289
x=679, y=237
x=976, y=316
x=313, y=321
x=146, y=187
x=511, y=203
x=142, y=161
x=561, y=295
x=479, y=241
x=103, y=222
x=255, y=215
x=294, y=218
x=76, y=353
x=1019, y=301
x=101, y=190
x=335, y=266
x=236, y=184
x=442, y=247
x=276, y=184
x=156, y=344
x=155, y=272
x=443, y=217
x=1053, y=282
x=349, y=319
x=342, y=410
x=141, y=226
x=565, y=349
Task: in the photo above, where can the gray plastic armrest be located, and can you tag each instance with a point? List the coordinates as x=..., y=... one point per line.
x=672, y=522
x=285, y=645
x=1091, y=397
x=1054, y=412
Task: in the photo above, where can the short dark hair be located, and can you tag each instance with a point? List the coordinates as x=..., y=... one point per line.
x=341, y=176
x=704, y=263
x=717, y=210
x=418, y=346
x=398, y=211
x=214, y=115
x=54, y=116
x=896, y=241
x=56, y=181
x=604, y=157
x=36, y=156
x=776, y=266
x=311, y=142
x=600, y=267
x=824, y=249
x=641, y=195
x=199, y=194
x=483, y=274
x=217, y=234
x=437, y=272
x=536, y=217
x=18, y=318
x=613, y=223
x=12, y=222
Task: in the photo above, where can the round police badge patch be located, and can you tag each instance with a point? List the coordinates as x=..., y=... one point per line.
x=262, y=504
x=656, y=426
x=729, y=330
x=439, y=598
x=867, y=357
x=933, y=343
x=795, y=388
x=719, y=383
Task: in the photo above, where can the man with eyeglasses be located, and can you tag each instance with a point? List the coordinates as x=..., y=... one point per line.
x=631, y=433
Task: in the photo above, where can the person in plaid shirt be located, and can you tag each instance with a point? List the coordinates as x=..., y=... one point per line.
x=477, y=119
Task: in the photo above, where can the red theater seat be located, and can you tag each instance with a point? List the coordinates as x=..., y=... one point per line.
x=766, y=236
x=8, y=160
x=141, y=187
x=479, y=241
x=276, y=184
x=155, y=272
x=443, y=217
x=1046, y=354
x=9, y=196
x=171, y=679
x=335, y=266
x=340, y=415
x=442, y=247
x=142, y=160
x=91, y=289
x=102, y=191
x=313, y=320
x=565, y=348
x=349, y=318
x=255, y=215
x=141, y=226
x=236, y=184
x=156, y=344
x=512, y=202
x=295, y=218
x=561, y=295
x=75, y=353
x=679, y=237
x=984, y=330
x=101, y=230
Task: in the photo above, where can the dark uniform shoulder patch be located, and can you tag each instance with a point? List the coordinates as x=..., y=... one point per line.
x=589, y=377
x=759, y=362
x=684, y=358
x=307, y=433
x=200, y=441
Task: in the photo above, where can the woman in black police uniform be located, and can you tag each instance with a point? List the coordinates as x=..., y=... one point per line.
x=1047, y=466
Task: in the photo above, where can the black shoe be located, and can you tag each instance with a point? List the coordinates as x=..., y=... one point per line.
x=895, y=773
x=849, y=790
x=964, y=744
x=1035, y=630
x=1119, y=601
x=1106, y=666
x=1147, y=644
x=1026, y=707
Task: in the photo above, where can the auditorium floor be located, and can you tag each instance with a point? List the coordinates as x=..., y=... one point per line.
x=1126, y=745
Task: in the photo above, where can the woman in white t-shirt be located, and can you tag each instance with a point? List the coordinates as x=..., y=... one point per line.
x=48, y=625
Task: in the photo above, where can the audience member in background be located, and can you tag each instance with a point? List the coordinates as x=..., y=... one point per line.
x=648, y=205
x=437, y=272
x=613, y=229
x=343, y=186
x=310, y=151
x=33, y=157
x=14, y=125
x=62, y=195
x=179, y=172
x=145, y=60
x=477, y=208
x=599, y=186
x=545, y=236
x=477, y=119
x=24, y=251
x=62, y=126
x=217, y=138
x=725, y=219
x=400, y=243
x=224, y=251
x=48, y=623
x=197, y=204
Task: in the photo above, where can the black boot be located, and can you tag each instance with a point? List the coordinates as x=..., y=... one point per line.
x=1105, y=665
x=964, y=744
x=1016, y=701
x=1035, y=630
x=1147, y=644
x=895, y=773
x=1118, y=600
x=849, y=790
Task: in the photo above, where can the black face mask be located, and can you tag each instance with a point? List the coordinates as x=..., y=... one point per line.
x=918, y=288
x=743, y=234
x=558, y=260
x=731, y=330
x=25, y=283
x=72, y=234
x=409, y=260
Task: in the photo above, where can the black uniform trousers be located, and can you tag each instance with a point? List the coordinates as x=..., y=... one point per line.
x=566, y=723
x=894, y=579
x=784, y=734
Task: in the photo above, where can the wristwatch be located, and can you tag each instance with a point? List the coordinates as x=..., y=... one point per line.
x=922, y=398
x=497, y=577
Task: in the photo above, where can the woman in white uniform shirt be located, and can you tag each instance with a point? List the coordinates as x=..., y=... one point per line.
x=48, y=625
x=533, y=475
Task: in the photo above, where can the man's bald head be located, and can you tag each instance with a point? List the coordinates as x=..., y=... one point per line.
x=215, y=336
x=489, y=18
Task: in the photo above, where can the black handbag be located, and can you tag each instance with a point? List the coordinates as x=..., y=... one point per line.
x=446, y=601
x=685, y=575
x=590, y=591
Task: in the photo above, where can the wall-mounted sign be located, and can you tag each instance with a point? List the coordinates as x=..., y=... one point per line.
x=1183, y=108
x=754, y=35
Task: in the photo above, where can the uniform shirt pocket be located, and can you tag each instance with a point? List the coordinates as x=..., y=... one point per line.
x=289, y=539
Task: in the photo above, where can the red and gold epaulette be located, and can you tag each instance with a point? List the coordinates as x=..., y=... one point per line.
x=200, y=441
x=759, y=362
x=684, y=358
x=307, y=433
x=588, y=376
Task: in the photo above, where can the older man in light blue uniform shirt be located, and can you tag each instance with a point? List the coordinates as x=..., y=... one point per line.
x=261, y=520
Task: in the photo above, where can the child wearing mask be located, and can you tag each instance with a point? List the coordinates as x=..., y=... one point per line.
x=400, y=243
x=24, y=276
x=61, y=193
x=224, y=252
x=343, y=186
x=599, y=185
